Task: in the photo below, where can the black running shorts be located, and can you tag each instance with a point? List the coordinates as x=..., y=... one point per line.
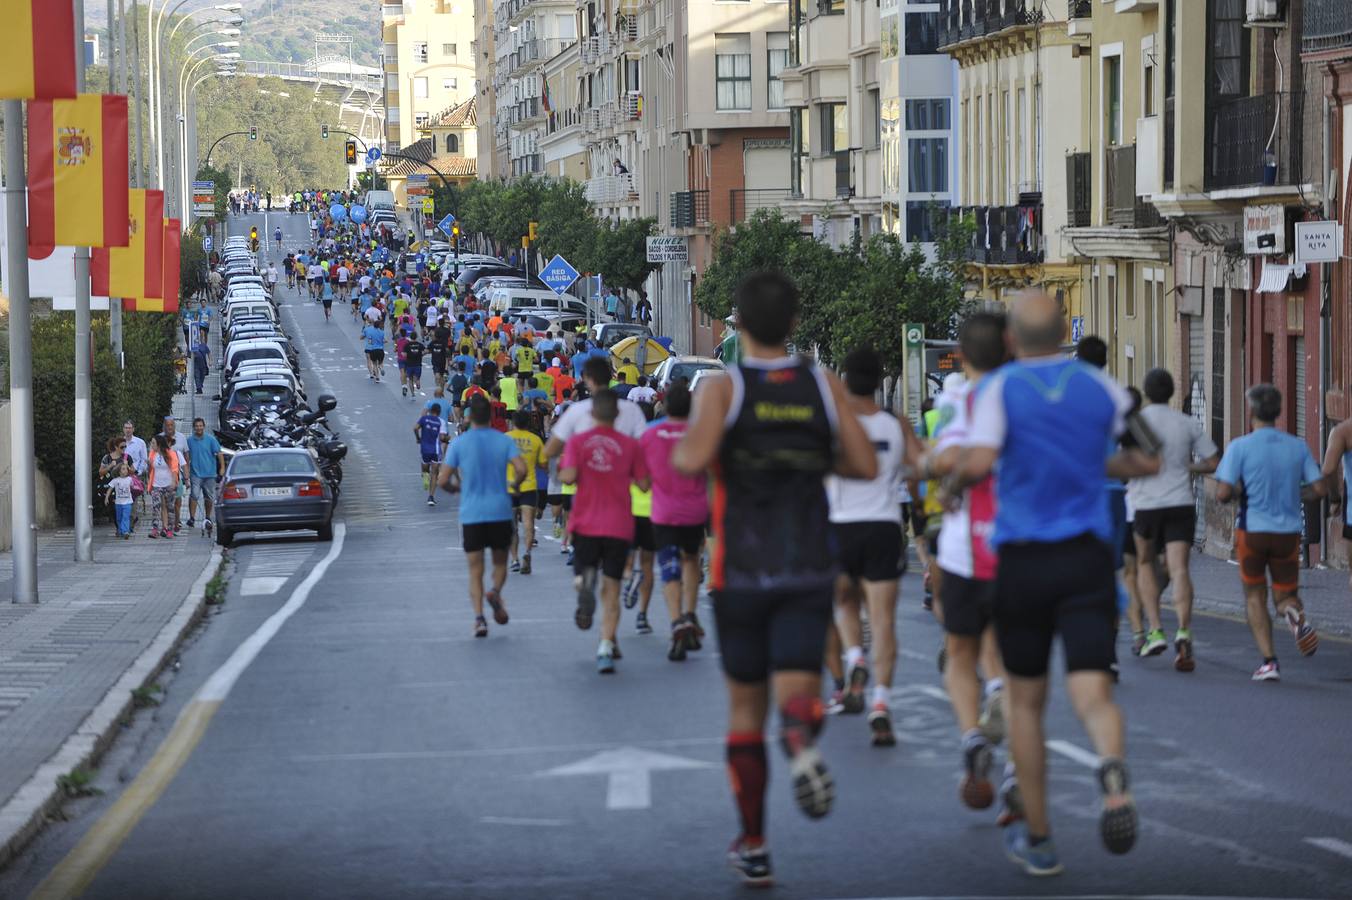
x=376, y=356
x=487, y=536
x=689, y=539
x=644, y=539
x=1066, y=587
x=869, y=550
x=1169, y=525
x=760, y=632
x=607, y=553
x=555, y=499
x=969, y=604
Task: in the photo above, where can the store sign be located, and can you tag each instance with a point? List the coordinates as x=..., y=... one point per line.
x=1317, y=242
x=1265, y=230
x=667, y=249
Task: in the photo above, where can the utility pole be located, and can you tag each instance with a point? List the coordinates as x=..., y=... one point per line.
x=117, y=76
x=140, y=85
x=84, y=409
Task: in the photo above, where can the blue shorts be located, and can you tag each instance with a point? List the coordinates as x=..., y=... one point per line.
x=430, y=456
x=413, y=371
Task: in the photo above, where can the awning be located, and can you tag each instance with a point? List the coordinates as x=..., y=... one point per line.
x=1277, y=276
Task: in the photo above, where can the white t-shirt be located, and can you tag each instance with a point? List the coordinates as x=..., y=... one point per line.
x=365, y=282
x=955, y=537
x=163, y=476
x=272, y=274
x=433, y=316
x=121, y=490
x=315, y=271
x=577, y=419
x=871, y=499
x=373, y=313
x=1182, y=438
x=342, y=275
x=643, y=395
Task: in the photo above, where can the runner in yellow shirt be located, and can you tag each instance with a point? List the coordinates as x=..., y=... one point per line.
x=524, y=497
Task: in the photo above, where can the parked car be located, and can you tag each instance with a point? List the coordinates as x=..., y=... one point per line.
x=239, y=351
x=608, y=334
x=254, y=394
x=676, y=367
x=273, y=489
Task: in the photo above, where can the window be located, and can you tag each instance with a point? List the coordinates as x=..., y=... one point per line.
x=830, y=7
x=890, y=137
x=1020, y=154
x=922, y=33
x=452, y=143
x=891, y=41
x=927, y=115
x=420, y=87
x=419, y=119
x=777, y=58
x=449, y=84
x=927, y=165
x=873, y=113
x=921, y=217
x=1129, y=298
x=1148, y=76
x=732, y=71
x=448, y=49
x=1112, y=100
x=798, y=148
x=835, y=126
x=420, y=52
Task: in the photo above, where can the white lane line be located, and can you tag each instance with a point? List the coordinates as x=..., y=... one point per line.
x=395, y=755
x=1068, y=897
x=254, y=586
x=1071, y=751
x=223, y=679
x=929, y=690
x=508, y=820
x=1332, y=845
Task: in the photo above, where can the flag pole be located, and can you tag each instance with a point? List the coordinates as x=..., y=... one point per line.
x=84, y=411
x=23, y=474
x=117, y=80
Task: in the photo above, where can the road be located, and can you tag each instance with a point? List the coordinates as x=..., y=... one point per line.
x=373, y=748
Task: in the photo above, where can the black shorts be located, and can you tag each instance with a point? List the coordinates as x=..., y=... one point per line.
x=1067, y=587
x=689, y=539
x=376, y=356
x=968, y=604
x=439, y=365
x=526, y=499
x=487, y=536
x=541, y=499
x=869, y=550
x=644, y=538
x=608, y=553
x=327, y=301
x=1166, y=526
x=556, y=499
x=1129, y=540
x=761, y=632
x=568, y=502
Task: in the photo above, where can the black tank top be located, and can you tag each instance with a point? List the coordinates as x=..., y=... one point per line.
x=770, y=513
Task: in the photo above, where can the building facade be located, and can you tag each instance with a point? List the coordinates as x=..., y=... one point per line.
x=428, y=62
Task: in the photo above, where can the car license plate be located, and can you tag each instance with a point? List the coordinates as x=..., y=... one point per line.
x=272, y=492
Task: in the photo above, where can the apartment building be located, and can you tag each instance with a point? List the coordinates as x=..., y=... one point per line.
x=1014, y=58
x=527, y=34
x=562, y=146
x=427, y=62
x=484, y=50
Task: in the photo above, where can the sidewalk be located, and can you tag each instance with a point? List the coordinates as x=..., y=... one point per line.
x=1325, y=593
x=68, y=664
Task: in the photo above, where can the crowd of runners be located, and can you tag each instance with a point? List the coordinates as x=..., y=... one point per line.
x=1046, y=499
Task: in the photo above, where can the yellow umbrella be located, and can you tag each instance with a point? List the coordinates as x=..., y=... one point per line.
x=644, y=354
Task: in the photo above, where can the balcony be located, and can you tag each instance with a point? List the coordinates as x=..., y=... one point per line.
x=745, y=202
x=689, y=209
x=595, y=48
x=1006, y=235
x=626, y=26
x=610, y=190
x=562, y=119
x=965, y=20
x=1328, y=26
x=1256, y=141
x=527, y=165
x=1079, y=189
x=525, y=112
x=844, y=184
x=1079, y=17
x=631, y=106
x=1125, y=208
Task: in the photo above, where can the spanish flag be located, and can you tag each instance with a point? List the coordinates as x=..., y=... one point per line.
x=134, y=272
x=77, y=171
x=173, y=239
x=37, y=43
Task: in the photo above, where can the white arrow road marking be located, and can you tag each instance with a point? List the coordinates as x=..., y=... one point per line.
x=1332, y=845
x=269, y=584
x=629, y=771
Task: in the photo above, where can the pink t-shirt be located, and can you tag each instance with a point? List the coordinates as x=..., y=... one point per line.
x=607, y=462
x=677, y=499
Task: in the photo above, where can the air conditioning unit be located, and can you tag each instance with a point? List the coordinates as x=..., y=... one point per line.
x=1265, y=13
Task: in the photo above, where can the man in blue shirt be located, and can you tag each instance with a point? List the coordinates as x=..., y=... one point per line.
x=1270, y=472
x=374, y=337
x=431, y=438
x=478, y=465
x=1050, y=423
x=206, y=463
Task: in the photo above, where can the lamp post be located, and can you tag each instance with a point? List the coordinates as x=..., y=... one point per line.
x=190, y=60
x=186, y=74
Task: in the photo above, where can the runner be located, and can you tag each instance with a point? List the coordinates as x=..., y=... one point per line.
x=531, y=449
x=430, y=436
x=485, y=465
x=866, y=522
x=1050, y=423
x=413, y=360
x=374, y=337
x=1166, y=513
x=771, y=427
x=1338, y=456
x=603, y=463
x=638, y=578
x=1270, y=473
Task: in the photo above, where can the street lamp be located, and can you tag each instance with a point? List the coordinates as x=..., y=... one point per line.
x=225, y=64
x=190, y=64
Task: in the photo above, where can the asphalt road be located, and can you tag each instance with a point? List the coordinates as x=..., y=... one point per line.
x=374, y=748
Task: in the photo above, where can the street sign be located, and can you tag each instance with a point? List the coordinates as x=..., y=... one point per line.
x=416, y=185
x=445, y=224
x=373, y=155
x=914, y=369
x=667, y=249
x=558, y=275
x=428, y=206
x=628, y=772
x=1076, y=329
x=1265, y=229
x=204, y=197
x=207, y=243
x=1317, y=242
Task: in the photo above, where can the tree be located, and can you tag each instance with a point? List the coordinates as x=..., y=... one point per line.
x=223, y=185
x=763, y=242
x=568, y=225
x=622, y=253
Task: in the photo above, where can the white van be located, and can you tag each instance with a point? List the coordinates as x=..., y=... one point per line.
x=531, y=300
x=379, y=200
x=249, y=307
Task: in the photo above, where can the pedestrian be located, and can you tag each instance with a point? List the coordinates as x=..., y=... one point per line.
x=165, y=476
x=1050, y=422
x=771, y=429
x=179, y=442
x=482, y=465
x=201, y=360
x=119, y=490
x=206, y=465
x=1338, y=461
x=1270, y=473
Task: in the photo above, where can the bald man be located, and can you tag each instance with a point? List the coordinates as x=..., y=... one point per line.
x=1049, y=421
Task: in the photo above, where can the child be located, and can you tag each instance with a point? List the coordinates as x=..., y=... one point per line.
x=119, y=490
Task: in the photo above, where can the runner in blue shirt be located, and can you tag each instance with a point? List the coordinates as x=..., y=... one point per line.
x=431, y=438
x=374, y=337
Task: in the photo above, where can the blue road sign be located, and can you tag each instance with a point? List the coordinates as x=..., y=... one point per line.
x=373, y=155
x=1076, y=329
x=206, y=243
x=558, y=274
x=445, y=224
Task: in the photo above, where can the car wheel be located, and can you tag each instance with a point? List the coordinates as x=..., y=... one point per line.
x=326, y=531
x=224, y=536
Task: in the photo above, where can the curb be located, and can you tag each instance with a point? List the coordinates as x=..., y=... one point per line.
x=26, y=813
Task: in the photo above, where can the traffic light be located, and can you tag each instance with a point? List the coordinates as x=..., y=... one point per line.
x=351, y=150
x=253, y=233
x=253, y=132
x=324, y=132
x=455, y=231
x=530, y=231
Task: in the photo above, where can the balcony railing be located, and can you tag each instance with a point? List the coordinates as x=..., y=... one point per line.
x=631, y=106
x=1256, y=140
x=526, y=165
x=689, y=209
x=963, y=20
x=844, y=184
x=1125, y=208
x=1005, y=235
x=610, y=190
x=1079, y=9
x=744, y=202
x=563, y=119
x=1079, y=189
x=1328, y=26
x=626, y=26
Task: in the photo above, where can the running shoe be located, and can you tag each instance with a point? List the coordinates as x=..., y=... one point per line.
x=1184, y=661
x=192, y=523
x=631, y=589
x=480, y=627
x=1268, y=671
x=1011, y=802
x=692, y=637
x=834, y=705
x=206, y=527
x=880, y=723
x=676, y=653
x=154, y=533
x=976, y=790
x=569, y=561
x=1155, y=643
x=558, y=531
x=813, y=787
x=1137, y=642
x=516, y=565
x=1117, y=824
x=1307, y=639
x=992, y=721
x=403, y=390
x=169, y=534
x=525, y=564
x=586, y=599
x=694, y=620
x=1035, y=859
x=752, y=863
x=853, y=701
x=431, y=501
x=641, y=624
x=605, y=659
x=495, y=603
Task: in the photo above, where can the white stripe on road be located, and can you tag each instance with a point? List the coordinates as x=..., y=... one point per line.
x=251, y=587
x=506, y=820
x=1071, y=751
x=1332, y=845
x=1068, y=897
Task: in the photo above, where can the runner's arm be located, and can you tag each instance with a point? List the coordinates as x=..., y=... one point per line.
x=1134, y=462
x=519, y=470
x=1332, y=462
x=857, y=458
x=699, y=444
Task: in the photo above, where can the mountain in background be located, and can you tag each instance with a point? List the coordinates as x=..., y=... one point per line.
x=284, y=30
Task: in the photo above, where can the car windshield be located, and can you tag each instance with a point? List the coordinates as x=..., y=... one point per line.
x=256, y=353
x=259, y=395
x=688, y=369
x=272, y=464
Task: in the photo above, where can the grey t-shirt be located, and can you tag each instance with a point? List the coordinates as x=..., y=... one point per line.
x=1182, y=439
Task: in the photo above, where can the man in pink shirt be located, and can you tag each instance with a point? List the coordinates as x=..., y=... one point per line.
x=680, y=516
x=602, y=462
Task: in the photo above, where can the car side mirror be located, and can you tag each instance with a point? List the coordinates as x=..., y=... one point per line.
x=327, y=402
